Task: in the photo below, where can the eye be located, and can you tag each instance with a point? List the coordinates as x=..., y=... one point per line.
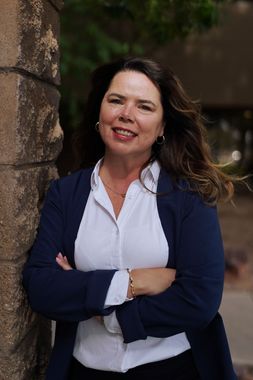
x=115, y=100
x=145, y=107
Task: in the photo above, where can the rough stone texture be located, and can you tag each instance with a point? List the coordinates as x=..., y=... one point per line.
x=39, y=132
x=8, y=112
x=29, y=35
x=8, y=33
x=30, y=122
x=21, y=193
x=20, y=364
x=39, y=53
x=31, y=139
x=30, y=359
x=15, y=316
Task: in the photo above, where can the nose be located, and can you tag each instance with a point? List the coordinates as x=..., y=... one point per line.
x=126, y=114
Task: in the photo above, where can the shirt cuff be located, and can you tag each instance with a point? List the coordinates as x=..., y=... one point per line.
x=117, y=292
x=111, y=323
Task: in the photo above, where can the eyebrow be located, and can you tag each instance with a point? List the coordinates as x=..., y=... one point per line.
x=140, y=100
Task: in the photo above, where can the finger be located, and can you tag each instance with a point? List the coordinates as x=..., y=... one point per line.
x=60, y=261
x=63, y=264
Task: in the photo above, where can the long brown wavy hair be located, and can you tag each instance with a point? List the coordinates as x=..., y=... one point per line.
x=185, y=153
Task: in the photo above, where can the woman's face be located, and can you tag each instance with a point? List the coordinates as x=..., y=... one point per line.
x=131, y=115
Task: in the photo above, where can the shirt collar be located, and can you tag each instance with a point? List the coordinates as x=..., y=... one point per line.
x=94, y=177
x=150, y=173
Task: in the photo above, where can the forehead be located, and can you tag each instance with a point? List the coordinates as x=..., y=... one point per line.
x=134, y=82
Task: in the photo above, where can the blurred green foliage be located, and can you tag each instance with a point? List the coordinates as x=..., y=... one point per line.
x=96, y=31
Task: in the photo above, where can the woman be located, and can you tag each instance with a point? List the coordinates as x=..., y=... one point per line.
x=140, y=231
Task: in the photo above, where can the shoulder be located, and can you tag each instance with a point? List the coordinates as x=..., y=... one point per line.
x=173, y=188
x=180, y=193
x=73, y=184
x=74, y=178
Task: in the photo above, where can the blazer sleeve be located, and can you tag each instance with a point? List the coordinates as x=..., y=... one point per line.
x=193, y=299
x=57, y=294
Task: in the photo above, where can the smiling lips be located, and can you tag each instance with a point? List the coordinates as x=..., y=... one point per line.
x=124, y=133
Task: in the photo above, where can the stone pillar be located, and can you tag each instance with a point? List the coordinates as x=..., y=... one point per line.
x=31, y=139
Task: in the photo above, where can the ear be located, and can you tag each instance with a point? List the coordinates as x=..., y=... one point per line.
x=162, y=130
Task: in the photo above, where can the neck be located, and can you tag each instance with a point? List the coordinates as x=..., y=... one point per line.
x=121, y=169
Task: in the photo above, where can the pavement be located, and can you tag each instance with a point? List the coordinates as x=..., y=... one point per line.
x=237, y=312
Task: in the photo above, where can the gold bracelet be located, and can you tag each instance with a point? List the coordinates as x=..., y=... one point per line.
x=131, y=283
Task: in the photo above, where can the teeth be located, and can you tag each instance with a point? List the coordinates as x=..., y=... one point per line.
x=124, y=132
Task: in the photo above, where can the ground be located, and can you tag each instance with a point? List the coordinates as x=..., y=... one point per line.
x=237, y=231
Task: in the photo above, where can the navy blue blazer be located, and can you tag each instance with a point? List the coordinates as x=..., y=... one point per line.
x=191, y=303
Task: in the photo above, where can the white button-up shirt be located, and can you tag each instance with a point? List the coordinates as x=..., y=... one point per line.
x=134, y=240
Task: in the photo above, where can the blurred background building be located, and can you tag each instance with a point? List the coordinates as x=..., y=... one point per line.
x=217, y=69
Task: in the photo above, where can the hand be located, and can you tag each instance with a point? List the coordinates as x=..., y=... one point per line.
x=151, y=281
x=63, y=262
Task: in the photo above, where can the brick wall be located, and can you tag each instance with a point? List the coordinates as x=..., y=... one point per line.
x=30, y=141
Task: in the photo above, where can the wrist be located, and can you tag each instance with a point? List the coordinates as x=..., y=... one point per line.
x=131, y=284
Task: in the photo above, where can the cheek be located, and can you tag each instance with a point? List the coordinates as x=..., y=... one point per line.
x=102, y=115
x=154, y=128
x=107, y=114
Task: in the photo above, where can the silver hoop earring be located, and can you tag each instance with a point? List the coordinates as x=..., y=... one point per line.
x=97, y=126
x=160, y=140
